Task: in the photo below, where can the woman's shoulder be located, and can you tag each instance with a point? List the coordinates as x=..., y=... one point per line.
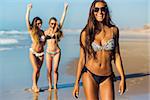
x=83, y=37
x=83, y=33
x=115, y=30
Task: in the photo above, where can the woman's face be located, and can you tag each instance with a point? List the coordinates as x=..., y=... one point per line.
x=99, y=11
x=52, y=24
x=39, y=24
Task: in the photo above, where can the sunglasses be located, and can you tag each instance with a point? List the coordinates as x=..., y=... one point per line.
x=39, y=23
x=53, y=23
x=96, y=9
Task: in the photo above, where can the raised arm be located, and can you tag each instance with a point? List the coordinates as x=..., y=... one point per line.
x=118, y=63
x=29, y=6
x=81, y=64
x=63, y=15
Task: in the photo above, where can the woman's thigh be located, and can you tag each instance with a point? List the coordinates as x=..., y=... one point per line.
x=33, y=61
x=56, y=60
x=49, y=60
x=90, y=86
x=107, y=89
x=40, y=61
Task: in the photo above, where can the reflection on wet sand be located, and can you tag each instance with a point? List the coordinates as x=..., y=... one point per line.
x=55, y=95
x=49, y=97
x=35, y=96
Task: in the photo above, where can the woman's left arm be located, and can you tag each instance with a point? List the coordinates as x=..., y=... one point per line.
x=118, y=63
x=63, y=15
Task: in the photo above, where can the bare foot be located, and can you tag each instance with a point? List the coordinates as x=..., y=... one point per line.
x=50, y=89
x=35, y=89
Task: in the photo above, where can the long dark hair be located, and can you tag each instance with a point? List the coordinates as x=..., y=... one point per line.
x=34, y=22
x=59, y=31
x=92, y=27
x=37, y=33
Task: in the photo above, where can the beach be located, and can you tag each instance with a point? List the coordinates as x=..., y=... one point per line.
x=132, y=18
x=16, y=70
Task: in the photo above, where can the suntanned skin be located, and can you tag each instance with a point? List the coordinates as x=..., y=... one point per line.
x=102, y=65
x=37, y=47
x=52, y=45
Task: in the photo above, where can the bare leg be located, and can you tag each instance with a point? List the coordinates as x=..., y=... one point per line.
x=90, y=86
x=107, y=89
x=36, y=64
x=49, y=70
x=40, y=62
x=56, y=64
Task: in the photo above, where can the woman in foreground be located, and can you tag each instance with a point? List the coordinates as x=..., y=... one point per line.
x=99, y=46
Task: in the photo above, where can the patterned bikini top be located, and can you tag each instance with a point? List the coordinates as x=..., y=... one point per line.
x=109, y=45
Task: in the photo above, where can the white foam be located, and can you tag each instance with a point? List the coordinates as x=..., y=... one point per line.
x=8, y=41
x=13, y=32
x=5, y=49
x=72, y=31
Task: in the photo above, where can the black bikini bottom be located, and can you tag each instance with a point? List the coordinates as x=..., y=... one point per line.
x=97, y=78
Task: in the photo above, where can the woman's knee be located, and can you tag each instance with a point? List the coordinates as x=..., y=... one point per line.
x=55, y=71
x=36, y=70
x=49, y=72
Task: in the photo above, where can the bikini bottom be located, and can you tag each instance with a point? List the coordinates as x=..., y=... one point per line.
x=53, y=53
x=98, y=79
x=36, y=53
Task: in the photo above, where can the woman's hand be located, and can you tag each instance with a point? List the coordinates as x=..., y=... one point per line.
x=122, y=86
x=66, y=5
x=75, y=92
x=29, y=6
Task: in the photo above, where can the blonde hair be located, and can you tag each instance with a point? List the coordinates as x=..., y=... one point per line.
x=59, y=31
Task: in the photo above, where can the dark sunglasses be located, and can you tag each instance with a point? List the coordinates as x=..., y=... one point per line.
x=96, y=9
x=39, y=23
x=53, y=23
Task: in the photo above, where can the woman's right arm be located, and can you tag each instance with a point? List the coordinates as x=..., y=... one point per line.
x=81, y=64
x=63, y=15
x=29, y=6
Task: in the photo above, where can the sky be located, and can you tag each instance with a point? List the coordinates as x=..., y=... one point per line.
x=125, y=13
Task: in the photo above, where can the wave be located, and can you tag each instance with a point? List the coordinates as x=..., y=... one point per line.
x=72, y=30
x=13, y=32
x=5, y=49
x=8, y=41
x=16, y=32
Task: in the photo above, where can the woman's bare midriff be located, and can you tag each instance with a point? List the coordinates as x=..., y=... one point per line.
x=37, y=47
x=52, y=45
x=102, y=65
